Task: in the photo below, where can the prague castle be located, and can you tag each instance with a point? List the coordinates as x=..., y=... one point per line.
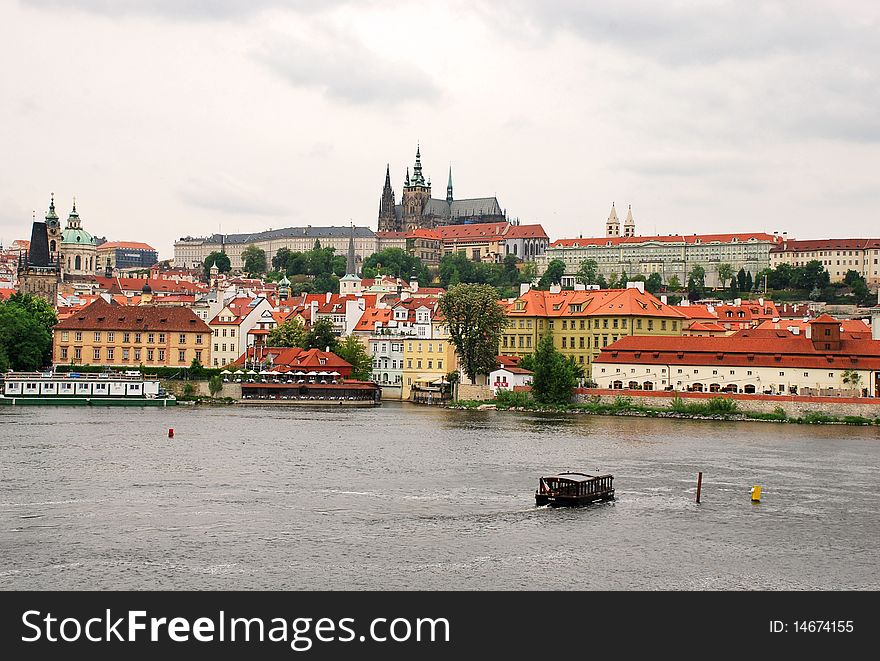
x=418, y=210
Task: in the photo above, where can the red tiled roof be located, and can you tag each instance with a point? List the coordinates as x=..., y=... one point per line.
x=594, y=302
x=671, y=238
x=525, y=232
x=851, y=326
x=372, y=316
x=6, y=293
x=826, y=244
x=424, y=233
x=742, y=349
x=101, y=315
x=706, y=327
x=293, y=359
x=475, y=231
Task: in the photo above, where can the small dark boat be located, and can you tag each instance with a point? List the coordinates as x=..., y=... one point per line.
x=572, y=489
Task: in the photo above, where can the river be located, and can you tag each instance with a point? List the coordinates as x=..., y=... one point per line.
x=407, y=497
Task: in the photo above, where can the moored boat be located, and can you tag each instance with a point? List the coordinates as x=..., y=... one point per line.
x=81, y=389
x=572, y=489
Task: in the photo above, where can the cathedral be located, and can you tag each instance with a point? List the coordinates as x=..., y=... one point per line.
x=417, y=209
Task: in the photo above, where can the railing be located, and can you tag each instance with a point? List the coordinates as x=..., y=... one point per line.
x=79, y=376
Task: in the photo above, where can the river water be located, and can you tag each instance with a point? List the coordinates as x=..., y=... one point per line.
x=406, y=497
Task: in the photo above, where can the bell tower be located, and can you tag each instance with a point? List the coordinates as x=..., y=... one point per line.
x=387, y=214
x=53, y=229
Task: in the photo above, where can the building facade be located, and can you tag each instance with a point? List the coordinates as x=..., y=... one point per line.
x=674, y=255
x=78, y=248
x=837, y=256
x=115, y=256
x=584, y=322
x=39, y=267
x=417, y=209
x=114, y=335
x=821, y=361
x=190, y=252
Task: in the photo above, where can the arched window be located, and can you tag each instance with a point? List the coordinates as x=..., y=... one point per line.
x=52, y=246
x=514, y=248
x=77, y=263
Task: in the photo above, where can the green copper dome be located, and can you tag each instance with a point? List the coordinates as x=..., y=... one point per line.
x=77, y=237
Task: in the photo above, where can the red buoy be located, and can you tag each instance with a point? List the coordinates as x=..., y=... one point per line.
x=171, y=433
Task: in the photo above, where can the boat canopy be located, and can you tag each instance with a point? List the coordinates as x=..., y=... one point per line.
x=573, y=477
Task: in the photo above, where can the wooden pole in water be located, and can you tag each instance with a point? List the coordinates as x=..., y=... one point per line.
x=699, y=485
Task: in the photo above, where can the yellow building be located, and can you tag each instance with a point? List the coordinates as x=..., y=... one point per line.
x=427, y=360
x=129, y=336
x=583, y=322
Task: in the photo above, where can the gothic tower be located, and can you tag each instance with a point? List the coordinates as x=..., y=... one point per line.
x=449, y=188
x=38, y=270
x=387, y=216
x=416, y=194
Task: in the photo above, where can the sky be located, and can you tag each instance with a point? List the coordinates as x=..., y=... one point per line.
x=172, y=118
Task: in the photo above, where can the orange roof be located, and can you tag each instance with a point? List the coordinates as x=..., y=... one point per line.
x=707, y=327
x=670, y=238
x=424, y=233
x=291, y=359
x=525, y=232
x=6, y=293
x=101, y=315
x=826, y=244
x=130, y=245
x=852, y=326
x=372, y=316
x=594, y=302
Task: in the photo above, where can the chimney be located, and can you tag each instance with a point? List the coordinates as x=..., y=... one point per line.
x=638, y=284
x=579, y=287
x=664, y=299
x=555, y=289
x=524, y=287
x=761, y=301
x=737, y=302
x=328, y=297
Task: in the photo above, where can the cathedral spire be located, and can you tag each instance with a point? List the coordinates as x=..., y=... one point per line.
x=351, y=264
x=449, y=186
x=387, y=213
x=407, y=177
x=51, y=215
x=418, y=178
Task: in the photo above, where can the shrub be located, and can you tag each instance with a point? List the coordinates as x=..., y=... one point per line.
x=513, y=398
x=816, y=418
x=622, y=402
x=189, y=389
x=856, y=420
x=678, y=404
x=722, y=405
x=780, y=413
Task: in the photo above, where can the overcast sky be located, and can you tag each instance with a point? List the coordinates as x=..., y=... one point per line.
x=168, y=118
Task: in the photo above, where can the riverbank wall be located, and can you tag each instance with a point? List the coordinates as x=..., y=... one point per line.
x=793, y=405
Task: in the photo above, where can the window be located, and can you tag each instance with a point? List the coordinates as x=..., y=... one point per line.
x=137, y=354
x=733, y=371
x=563, y=342
x=231, y=332
x=216, y=347
x=151, y=337
x=181, y=356
x=161, y=355
x=126, y=338
x=806, y=374
x=419, y=364
x=216, y=332
x=198, y=339
x=650, y=324
x=111, y=336
x=215, y=363
x=504, y=342
x=604, y=323
x=64, y=336
x=125, y=354
x=714, y=372
x=63, y=353
x=581, y=342
x=137, y=338
x=430, y=364
x=615, y=325
x=98, y=336
x=77, y=353
x=830, y=375
x=564, y=325
x=109, y=353
x=439, y=364
x=161, y=338
x=96, y=354
x=149, y=355
x=409, y=363
x=782, y=374
x=582, y=324
x=529, y=341
x=662, y=324
x=181, y=339
x=639, y=324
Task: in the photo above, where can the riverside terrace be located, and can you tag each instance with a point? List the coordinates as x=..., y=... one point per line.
x=351, y=393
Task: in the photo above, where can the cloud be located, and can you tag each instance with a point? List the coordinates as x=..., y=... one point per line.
x=344, y=70
x=226, y=195
x=182, y=9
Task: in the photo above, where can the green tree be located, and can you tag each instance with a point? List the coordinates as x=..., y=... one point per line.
x=288, y=334
x=750, y=285
x=741, y=280
x=554, y=375
x=851, y=378
x=215, y=385
x=810, y=275
x=221, y=259
x=25, y=342
x=553, y=274
x=475, y=321
x=613, y=281
x=602, y=282
x=696, y=283
x=320, y=336
x=725, y=273
x=851, y=277
x=733, y=291
x=196, y=368
x=279, y=261
x=673, y=283
x=254, y=261
x=26, y=332
x=624, y=278
x=397, y=263
x=654, y=283
x=528, y=272
x=353, y=351
x=588, y=272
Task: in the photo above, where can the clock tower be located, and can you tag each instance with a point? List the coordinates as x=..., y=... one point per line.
x=53, y=229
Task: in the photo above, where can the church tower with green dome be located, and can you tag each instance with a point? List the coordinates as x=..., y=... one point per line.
x=78, y=249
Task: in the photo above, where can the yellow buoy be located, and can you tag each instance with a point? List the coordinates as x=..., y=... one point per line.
x=756, y=494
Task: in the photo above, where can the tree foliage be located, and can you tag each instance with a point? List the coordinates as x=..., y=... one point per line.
x=506, y=277
x=725, y=273
x=288, y=334
x=475, y=321
x=397, y=263
x=25, y=333
x=588, y=272
x=654, y=283
x=215, y=385
x=696, y=283
x=553, y=274
x=254, y=261
x=320, y=336
x=220, y=259
x=555, y=376
x=353, y=351
x=320, y=267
